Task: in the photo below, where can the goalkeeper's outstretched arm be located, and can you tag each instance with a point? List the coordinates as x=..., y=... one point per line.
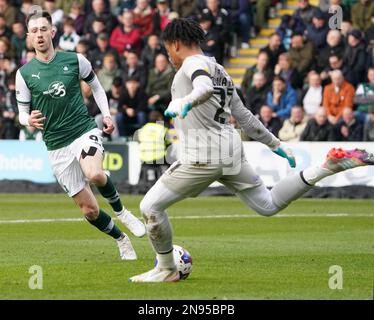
x=251, y=125
x=257, y=131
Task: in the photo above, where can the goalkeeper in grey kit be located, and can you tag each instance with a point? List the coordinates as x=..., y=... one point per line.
x=203, y=99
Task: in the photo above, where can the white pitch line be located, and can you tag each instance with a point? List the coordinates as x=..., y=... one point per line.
x=234, y=216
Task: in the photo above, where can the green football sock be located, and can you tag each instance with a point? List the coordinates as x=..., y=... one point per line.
x=105, y=224
x=110, y=193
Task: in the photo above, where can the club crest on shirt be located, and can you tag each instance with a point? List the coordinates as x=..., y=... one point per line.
x=65, y=68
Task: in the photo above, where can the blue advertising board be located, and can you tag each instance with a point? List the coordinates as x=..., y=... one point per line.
x=25, y=160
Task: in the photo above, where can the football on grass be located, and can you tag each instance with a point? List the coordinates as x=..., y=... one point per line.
x=183, y=261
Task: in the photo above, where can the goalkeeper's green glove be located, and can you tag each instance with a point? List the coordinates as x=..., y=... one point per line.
x=286, y=153
x=178, y=107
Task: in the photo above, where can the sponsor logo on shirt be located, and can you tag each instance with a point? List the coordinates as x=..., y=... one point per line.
x=56, y=90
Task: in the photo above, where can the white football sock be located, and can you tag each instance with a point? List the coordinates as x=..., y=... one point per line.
x=166, y=260
x=314, y=174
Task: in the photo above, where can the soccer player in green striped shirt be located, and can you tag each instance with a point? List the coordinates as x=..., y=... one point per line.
x=49, y=87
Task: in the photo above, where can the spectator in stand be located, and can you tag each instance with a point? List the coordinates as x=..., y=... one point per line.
x=220, y=21
x=317, y=31
x=346, y=29
x=318, y=128
x=337, y=96
x=161, y=16
x=364, y=96
x=99, y=10
x=212, y=45
x=369, y=32
x=335, y=46
x=7, y=66
x=185, y=8
x=56, y=13
x=262, y=65
x=114, y=95
x=335, y=63
x=101, y=49
x=274, y=49
x=241, y=18
x=311, y=97
x=132, y=108
x=348, y=128
x=79, y=17
x=69, y=39
x=262, y=7
x=160, y=79
x=303, y=15
x=273, y=124
x=66, y=5
x=124, y=5
x=88, y=5
x=133, y=68
x=18, y=40
x=301, y=53
x=9, y=111
x=8, y=11
x=151, y=50
x=6, y=49
x=361, y=14
x=281, y=98
x=369, y=125
x=256, y=95
x=108, y=72
x=354, y=60
x=30, y=54
x=5, y=31
x=83, y=48
x=24, y=9
x=126, y=34
x=294, y=126
x=143, y=17
x=285, y=30
x=290, y=74
x=98, y=26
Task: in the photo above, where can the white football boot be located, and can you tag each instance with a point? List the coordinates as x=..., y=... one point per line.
x=132, y=223
x=157, y=275
x=126, y=249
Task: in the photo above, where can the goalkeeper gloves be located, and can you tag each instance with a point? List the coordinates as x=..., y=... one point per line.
x=178, y=107
x=286, y=153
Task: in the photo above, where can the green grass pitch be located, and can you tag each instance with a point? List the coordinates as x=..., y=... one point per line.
x=236, y=253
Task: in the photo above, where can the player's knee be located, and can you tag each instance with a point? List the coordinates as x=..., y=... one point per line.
x=146, y=207
x=96, y=177
x=267, y=212
x=91, y=212
x=150, y=212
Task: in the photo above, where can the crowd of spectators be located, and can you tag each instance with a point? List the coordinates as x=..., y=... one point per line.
x=317, y=82
x=310, y=82
x=121, y=39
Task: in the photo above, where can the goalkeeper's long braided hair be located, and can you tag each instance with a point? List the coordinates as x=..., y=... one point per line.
x=185, y=30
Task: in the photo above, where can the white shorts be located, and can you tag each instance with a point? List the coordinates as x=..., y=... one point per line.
x=65, y=161
x=190, y=180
